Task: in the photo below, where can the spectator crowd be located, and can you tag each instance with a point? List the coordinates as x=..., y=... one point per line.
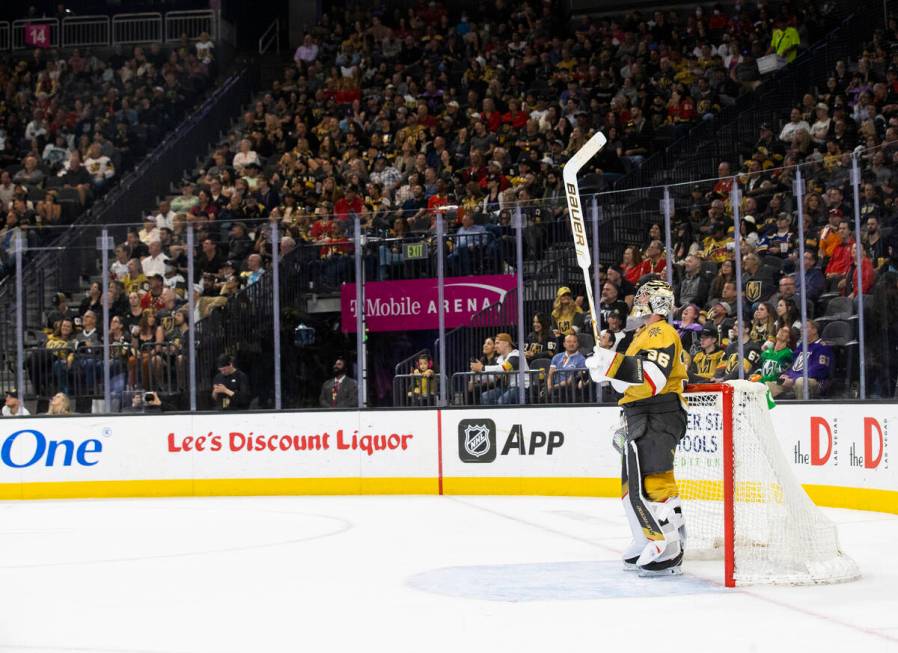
x=72, y=123
x=397, y=117
x=852, y=116
x=851, y=119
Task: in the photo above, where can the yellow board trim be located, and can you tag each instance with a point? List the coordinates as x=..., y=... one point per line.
x=854, y=498
x=822, y=495
x=572, y=487
x=217, y=487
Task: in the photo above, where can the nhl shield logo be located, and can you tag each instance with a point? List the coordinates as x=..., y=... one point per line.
x=477, y=440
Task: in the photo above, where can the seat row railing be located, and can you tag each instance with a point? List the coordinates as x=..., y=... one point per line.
x=109, y=31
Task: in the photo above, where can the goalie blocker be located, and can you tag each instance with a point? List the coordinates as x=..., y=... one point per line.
x=651, y=374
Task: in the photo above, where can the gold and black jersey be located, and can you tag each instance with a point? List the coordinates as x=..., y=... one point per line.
x=728, y=368
x=704, y=365
x=654, y=364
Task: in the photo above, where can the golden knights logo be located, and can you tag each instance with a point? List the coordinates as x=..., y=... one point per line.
x=753, y=291
x=477, y=440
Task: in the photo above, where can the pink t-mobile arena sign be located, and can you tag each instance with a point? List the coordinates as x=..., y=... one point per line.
x=413, y=305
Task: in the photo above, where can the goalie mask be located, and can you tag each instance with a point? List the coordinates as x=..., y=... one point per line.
x=654, y=297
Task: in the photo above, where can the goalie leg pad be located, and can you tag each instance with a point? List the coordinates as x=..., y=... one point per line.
x=660, y=521
x=650, y=528
x=667, y=552
x=638, y=540
x=662, y=488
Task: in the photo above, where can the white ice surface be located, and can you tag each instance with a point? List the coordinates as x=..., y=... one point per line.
x=468, y=574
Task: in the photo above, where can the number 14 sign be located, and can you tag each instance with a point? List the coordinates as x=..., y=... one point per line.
x=37, y=36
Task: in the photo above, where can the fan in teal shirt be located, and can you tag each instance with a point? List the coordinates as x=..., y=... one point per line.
x=777, y=359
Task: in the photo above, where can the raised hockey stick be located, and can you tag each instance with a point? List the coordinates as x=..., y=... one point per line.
x=578, y=226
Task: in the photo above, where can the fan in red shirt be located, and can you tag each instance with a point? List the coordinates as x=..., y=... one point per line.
x=153, y=298
x=348, y=204
x=514, y=116
x=848, y=285
x=425, y=119
x=495, y=173
x=687, y=109
x=841, y=258
x=680, y=108
x=322, y=228
x=654, y=262
x=631, y=265
x=431, y=14
x=476, y=171
x=438, y=199
x=336, y=243
x=490, y=116
x=718, y=22
x=725, y=182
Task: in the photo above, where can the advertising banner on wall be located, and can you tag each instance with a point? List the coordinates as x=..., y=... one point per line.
x=522, y=451
x=529, y=442
x=841, y=445
x=381, y=446
x=841, y=453
x=412, y=304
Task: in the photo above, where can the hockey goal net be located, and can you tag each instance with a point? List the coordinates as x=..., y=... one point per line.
x=741, y=501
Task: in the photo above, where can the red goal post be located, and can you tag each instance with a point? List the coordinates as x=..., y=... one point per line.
x=726, y=392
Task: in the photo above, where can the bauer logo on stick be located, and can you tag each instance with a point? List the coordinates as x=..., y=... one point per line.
x=577, y=226
x=575, y=213
x=477, y=440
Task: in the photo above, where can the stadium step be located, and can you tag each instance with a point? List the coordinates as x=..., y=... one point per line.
x=271, y=67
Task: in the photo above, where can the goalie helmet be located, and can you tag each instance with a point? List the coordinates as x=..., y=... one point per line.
x=653, y=297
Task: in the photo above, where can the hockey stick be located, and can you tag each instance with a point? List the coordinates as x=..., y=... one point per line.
x=578, y=226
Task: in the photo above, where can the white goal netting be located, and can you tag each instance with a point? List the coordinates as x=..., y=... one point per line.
x=780, y=536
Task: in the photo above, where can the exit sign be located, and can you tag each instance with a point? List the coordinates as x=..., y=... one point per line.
x=414, y=251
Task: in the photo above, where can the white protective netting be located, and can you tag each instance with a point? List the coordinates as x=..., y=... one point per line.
x=780, y=535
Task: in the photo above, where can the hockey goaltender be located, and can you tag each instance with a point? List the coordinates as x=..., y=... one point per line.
x=651, y=375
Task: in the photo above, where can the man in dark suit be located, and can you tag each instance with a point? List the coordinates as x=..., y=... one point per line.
x=340, y=391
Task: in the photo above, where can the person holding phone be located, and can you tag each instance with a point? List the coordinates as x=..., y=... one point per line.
x=147, y=402
x=230, y=387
